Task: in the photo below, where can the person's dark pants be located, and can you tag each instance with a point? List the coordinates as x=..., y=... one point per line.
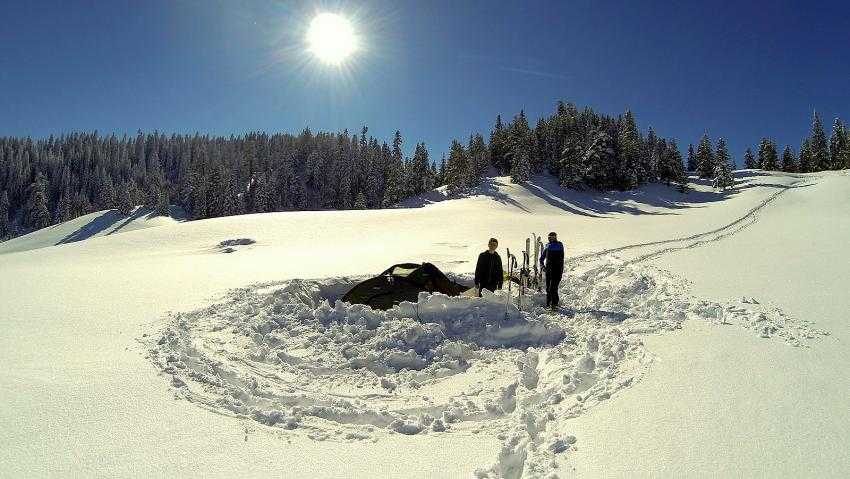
x=552, y=282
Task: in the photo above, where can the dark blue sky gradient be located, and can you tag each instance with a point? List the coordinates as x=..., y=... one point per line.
x=434, y=69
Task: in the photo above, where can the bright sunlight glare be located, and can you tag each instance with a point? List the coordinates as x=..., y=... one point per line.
x=331, y=38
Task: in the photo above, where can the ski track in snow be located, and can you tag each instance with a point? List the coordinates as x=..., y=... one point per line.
x=290, y=356
x=698, y=239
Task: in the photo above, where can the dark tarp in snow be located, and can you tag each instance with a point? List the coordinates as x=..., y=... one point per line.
x=402, y=282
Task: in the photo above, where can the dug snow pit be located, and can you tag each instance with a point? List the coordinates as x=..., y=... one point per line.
x=291, y=355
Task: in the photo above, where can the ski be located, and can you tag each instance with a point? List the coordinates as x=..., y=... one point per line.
x=524, y=272
x=536, y=280
x=511, y=265
x=540, y=247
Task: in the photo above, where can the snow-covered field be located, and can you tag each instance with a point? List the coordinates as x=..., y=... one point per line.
x=704, y=335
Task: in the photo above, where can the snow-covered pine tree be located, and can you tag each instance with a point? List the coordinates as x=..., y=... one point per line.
x=539, y=148
x=692, y=158
x=706, y=164
x=421, y=172
x=396, y=175
x=457, y=169
x=478, y=159
x=162, y=203
x=598, y=159
x=819, y=146
x=520, y=140
x=499, y=146
x=215, y=192
x=571, y=173
x=632, y=171
x=806, y=164
x=440, y=179
x=671, y=169
x=360, y=202
x=37, y=213
x=5, y=224
x=125, y=202
x=430, y=180
x=106, y=193
x=846, y=154
x=344, y=196
x=750, y=162
x=232, y=198
x=648, y=169
x=768, y=158
x=723, y=171
x=63, y=209
x=789, y=160
x=837, y=145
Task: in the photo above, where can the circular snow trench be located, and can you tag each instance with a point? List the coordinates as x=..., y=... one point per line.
x=291, y=355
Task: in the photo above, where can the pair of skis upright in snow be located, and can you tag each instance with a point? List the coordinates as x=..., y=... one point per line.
x=530, y=275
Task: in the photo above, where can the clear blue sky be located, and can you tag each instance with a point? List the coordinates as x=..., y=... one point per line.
x=433, y=69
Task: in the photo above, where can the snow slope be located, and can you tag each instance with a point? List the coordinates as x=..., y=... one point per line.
x=654, y=373
x=92, y=225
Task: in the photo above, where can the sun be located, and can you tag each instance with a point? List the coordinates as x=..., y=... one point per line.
x=331, y=38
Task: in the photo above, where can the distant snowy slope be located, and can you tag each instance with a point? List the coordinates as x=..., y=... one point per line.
x=100, y=223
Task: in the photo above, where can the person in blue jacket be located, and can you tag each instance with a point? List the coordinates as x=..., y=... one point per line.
x=552, y=261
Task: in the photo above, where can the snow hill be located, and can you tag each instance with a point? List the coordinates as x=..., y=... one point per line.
x=704, y=335
x=92, y=225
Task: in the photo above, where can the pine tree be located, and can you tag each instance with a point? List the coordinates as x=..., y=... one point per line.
x=723, y=171
x=457, y=169
x=598, y=159
x=706, y=164
x=421, y=172
x=692, y=158
x=396, y=176
x=768, y=158
x=215, y=192
x=63, y=209
x=5, y=225
x=37, y=213
x=789, y=161
x=520, y=149
x=806, y=163
x=499, y=146
x=838, y=145
x=846, y=155
x=539, y=148
x=571, y=173
x=125, y=202
x=819, y=146
x=631, y=168
x=360, y=202
x=162, y=203
x=750, y=160
x=431, y=178
x=670, y=167
x=106, y=194
x=478, y=159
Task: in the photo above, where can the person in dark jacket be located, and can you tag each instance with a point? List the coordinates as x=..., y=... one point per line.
x=552, y=261
x=488, y=271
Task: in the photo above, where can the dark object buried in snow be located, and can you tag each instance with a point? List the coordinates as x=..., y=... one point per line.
x=402, y=282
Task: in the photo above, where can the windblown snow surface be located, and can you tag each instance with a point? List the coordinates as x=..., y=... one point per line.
x=678, y=351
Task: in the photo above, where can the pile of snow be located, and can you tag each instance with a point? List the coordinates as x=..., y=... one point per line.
x=291, y=355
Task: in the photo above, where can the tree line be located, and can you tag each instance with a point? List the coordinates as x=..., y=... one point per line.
x=47, y=181
x=43, y=182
